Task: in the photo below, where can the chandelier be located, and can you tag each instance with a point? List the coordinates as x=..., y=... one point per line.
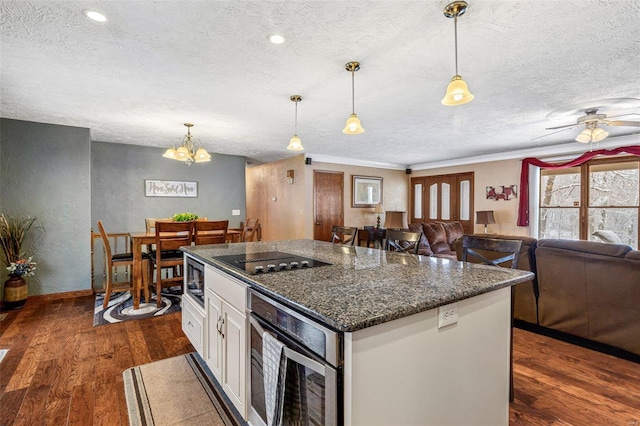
x=187, y=152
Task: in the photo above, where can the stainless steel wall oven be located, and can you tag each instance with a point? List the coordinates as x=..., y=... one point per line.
x=311, y=356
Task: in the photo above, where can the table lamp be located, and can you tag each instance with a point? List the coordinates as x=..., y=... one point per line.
x=485, y=217
x=379, y=209
x=395, y=220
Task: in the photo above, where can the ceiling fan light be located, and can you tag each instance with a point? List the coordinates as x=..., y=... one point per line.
x=295, y=144
x=353, y=126
x=457, y=92
x=598, y=134
x=584, y=136
x=170, y=153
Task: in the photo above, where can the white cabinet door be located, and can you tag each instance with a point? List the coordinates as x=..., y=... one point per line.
x=214, y=339
x=234, y=356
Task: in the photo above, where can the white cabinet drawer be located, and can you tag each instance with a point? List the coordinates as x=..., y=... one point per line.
x=232, y=290
x=192, y=324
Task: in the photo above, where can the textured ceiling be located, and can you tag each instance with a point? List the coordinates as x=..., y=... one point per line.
x=157, y=64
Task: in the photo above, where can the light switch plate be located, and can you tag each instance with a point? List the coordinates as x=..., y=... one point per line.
x=235, y=212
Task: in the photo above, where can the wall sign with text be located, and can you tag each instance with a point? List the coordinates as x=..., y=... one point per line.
x=170, y=188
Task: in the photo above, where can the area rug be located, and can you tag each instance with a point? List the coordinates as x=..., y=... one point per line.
x=121, y=306
x=177, y=391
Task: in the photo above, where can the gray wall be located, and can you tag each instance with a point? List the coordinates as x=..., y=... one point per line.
x=69, y=182
x=118, y=175
x=46, y=172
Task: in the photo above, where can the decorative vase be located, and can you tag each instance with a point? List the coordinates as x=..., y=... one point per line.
x=16, y=292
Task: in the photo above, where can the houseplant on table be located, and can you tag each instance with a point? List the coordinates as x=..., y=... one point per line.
x=13, y=230
x=184, y=217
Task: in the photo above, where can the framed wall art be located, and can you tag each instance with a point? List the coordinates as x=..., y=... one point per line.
x=502, y=192
x=170, y=188
x=366, y=191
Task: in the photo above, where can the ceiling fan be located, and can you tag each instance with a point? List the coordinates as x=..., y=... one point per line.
x=591, y=120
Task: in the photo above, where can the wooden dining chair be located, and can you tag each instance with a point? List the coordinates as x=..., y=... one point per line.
x=211, y=231
x=170, y=236
x=249, y=232
x=345, y=235
x=403, y=241
x=150, y=226
x=120, y=259
x=496, y=252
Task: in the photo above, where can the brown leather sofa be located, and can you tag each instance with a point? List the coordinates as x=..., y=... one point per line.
x=590, y=290
x=586, y=289
x=438, y=238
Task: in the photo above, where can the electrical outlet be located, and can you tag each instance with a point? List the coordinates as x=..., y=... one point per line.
x=447, y=315
x=235, y=212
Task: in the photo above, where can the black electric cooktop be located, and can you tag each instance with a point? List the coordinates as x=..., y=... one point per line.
x=269, y=262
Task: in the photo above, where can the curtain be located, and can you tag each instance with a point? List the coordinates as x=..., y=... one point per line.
x=523, y=209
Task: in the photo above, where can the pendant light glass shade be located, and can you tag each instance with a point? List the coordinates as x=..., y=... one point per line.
x=295, y=144
x=353, y=126
x=457, y=91
x=188, y=152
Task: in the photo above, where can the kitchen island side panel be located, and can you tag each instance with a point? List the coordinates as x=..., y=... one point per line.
x=410, y=372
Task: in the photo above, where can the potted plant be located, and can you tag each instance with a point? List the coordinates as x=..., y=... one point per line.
x=13, y=230
x=184, y=217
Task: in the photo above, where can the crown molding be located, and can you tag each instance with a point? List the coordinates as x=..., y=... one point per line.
x=354, y=162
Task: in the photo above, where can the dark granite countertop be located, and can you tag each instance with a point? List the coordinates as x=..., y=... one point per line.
x=363, y=287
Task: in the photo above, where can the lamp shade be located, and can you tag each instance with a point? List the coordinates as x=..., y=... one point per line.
x=353, y=126
x=485, y=217
x=170, y=153
x=395, y=220
x=378, y=209
x=295, y=144
x=457, y=92
x=598, y=134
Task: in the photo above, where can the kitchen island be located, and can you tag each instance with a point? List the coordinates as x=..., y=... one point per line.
x=399, y=365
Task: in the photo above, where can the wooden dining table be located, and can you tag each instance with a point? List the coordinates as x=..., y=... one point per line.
x=140, y=239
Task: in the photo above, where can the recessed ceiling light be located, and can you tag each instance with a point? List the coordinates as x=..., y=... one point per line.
x=276, y=39
x=96, y=16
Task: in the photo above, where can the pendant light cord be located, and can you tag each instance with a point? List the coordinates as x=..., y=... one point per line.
x=295, y=127
x=353, y=93
x=455, y=26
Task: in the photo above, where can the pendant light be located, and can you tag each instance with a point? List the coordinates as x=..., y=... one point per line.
x=189, y=151
x=457, y=91
x=353, y=126
x=295, y=144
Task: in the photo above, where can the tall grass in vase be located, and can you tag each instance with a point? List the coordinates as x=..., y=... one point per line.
x=13, y=230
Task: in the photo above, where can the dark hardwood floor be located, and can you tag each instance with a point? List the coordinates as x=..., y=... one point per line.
x=60, y=370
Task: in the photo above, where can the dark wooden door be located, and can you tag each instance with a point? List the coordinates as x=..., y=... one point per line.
x=443, y=198
x=328, y=203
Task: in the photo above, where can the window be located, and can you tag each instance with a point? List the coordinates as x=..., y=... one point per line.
x=598, y=200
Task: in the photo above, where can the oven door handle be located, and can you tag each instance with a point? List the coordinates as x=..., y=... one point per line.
x=254, y=322
x=291, y=354
x=303, y=360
